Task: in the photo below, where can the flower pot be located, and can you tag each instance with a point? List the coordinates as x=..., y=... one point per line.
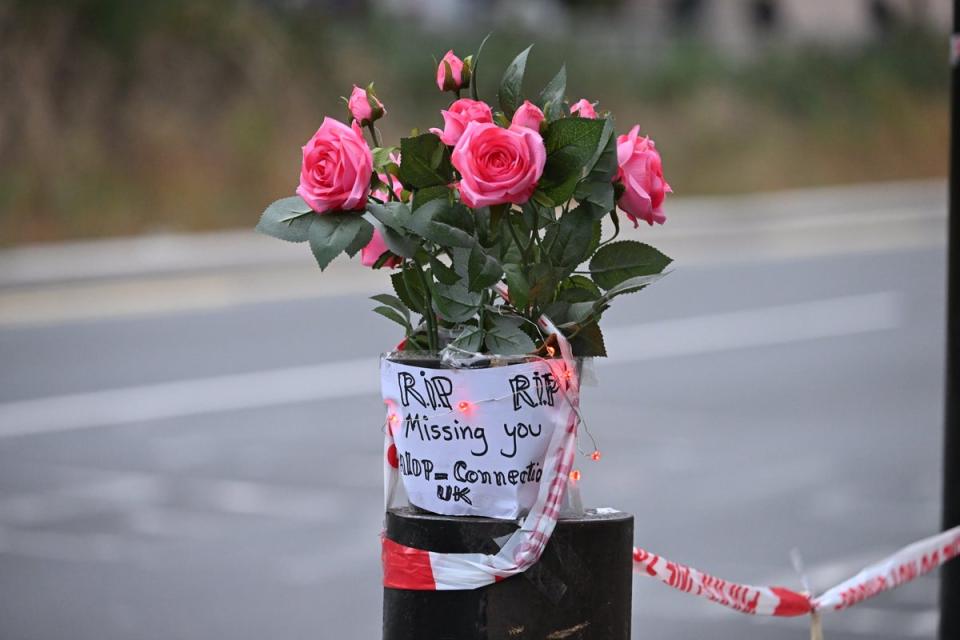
x=471, y=441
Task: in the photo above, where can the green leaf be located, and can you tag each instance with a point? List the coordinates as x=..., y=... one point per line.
x=449, y=225
x=473, y=69
x=630, y=285
x=424, y=162
x=331, y=233
x=569, y=239
x=510, y=84
x=392, y=301
x=408, y=289
x=483, y=270
x=580, y=312
x=362, y=239
x=618, y=261
x=588, y=343
x=425, y=195
x=287, y=219
x=442, y=272
x=577, y=288
x=395, y=215
x=505, y=337
x=543, y=281
x=530, y=215
x=485, y=230
x=499, y=213
x=398, y=242
x=517, y=286
x=454, y=302
x=470, y=339
x=391, y=314
x=570, y=143
x=381, y=157
x=596, y=198
x=603, y=165
x=557, y=311
x=551, y=98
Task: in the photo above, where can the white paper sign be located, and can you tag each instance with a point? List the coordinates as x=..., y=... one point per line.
x=472, y=441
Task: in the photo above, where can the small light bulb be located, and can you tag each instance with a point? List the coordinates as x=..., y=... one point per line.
x=394, y=418
x=575, y=475
x=595, y=456
x=551, y=351
x=463, y=405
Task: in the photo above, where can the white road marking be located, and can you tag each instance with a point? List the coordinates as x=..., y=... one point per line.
x=825, y=318
x=154, y=500
x=783, y=324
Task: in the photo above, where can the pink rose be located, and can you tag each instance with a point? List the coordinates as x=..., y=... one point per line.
x=498, y=165
x=583, y=109
x=642, y=176
x=461, y=113
x=528, y=115
x=336, y=170
x=361, y=108
x=376, y=248
x=456, y=81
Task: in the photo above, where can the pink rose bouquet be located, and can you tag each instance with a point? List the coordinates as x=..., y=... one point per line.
x=505, y=213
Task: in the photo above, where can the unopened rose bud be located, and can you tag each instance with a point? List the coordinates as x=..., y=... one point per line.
x=453, y=73
x=364, y=106
x=584, y=109
x=528, y=115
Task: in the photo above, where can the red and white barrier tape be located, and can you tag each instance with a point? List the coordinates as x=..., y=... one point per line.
x=901, y=567
x=769, y=601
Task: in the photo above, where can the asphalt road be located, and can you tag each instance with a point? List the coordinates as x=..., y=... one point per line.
x=181, y=459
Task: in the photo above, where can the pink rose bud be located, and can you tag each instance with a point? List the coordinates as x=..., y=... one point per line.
x=641, y=174
x=452, y=73
x=336, y=169
x=461, y=113
x=364, y=106
x=528, y=115
x=583, y=109
x=376, y=248
x=498, y=165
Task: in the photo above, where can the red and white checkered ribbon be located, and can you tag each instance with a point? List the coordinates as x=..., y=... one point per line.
x=409, y=568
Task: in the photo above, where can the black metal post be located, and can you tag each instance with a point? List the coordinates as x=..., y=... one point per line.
x=950, y=574
x=581, y=587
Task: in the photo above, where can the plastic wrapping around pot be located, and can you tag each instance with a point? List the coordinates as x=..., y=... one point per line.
x=471, y=440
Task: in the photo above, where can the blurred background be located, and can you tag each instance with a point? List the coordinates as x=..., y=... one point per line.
x=190, y=431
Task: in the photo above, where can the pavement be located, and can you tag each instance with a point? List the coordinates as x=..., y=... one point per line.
x=190, y=431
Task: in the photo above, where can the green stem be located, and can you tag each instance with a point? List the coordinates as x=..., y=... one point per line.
x=374, y=135
x=616, y=232
x=539, y=243
x=433, y=336
x=516, y=238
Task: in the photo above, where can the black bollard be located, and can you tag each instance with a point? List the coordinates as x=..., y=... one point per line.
x=579, y=590
x=950, y=574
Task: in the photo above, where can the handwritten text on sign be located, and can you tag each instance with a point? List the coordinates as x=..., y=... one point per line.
x=472, y=441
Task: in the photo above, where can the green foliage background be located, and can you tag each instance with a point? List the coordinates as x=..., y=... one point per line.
x=124, y=117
